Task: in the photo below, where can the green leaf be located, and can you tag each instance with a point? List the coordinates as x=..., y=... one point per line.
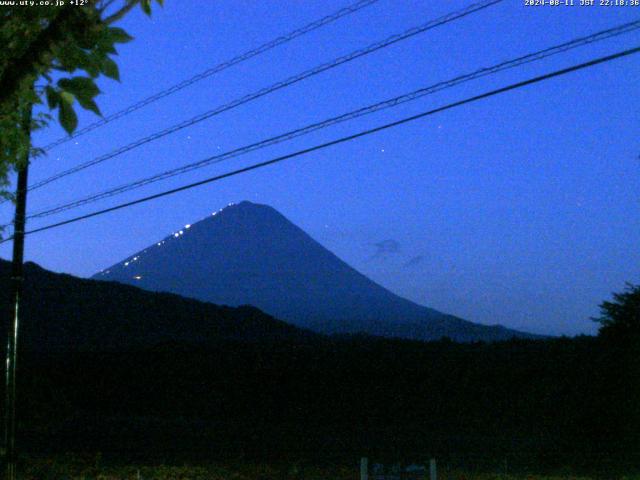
x=67, y=117
x=69, y=55
x=146, y=6
x=37, y=152
x=108, y=49
x=104, y=44
x=110, y=69
x=92, y=66
x=53, y=97
x=89, y=104
x=80, y=87
x=118, y=35
x=67, y=98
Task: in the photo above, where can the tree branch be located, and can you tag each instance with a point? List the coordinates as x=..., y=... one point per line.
x=27, y=63
x=122, y=12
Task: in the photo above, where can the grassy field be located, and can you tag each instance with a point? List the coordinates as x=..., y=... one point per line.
x=89, y=468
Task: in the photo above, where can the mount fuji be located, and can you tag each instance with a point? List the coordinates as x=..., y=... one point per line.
x=250, y=254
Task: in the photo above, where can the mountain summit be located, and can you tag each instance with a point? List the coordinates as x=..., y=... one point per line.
x=251, y=254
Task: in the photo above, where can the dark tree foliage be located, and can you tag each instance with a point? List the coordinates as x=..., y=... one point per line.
x=620, y=318
x=51, y=57
x=619, y=361
x=143, y=376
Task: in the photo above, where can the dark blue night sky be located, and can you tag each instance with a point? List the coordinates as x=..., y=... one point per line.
x=521, y=209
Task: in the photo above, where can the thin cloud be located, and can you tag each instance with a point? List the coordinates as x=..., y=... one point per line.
x=386, y=247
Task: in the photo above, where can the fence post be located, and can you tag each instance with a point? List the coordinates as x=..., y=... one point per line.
x=364, y=468
x=433, y=474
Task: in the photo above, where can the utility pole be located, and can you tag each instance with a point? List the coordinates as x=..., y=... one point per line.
x=16, y=287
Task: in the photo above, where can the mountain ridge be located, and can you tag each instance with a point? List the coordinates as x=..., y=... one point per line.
x=61, y=312
x=251, y=254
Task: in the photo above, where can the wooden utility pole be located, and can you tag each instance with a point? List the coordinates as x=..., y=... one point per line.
x=16, y=287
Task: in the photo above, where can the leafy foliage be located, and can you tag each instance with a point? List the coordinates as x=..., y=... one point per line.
x=63, y=49
x=620, y=318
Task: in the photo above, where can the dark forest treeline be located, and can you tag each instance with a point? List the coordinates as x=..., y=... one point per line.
x=66, y=313
x=134, y=374
x=547, y=403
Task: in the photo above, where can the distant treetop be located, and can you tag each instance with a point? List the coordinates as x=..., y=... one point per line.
x=620, y=318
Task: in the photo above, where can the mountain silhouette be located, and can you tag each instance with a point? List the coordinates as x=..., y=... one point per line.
x=61, y=313
x=250, y=254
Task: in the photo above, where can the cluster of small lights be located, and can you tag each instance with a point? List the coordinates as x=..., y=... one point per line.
x=180, y=232
x=160, y=243
x=213, y=214
x=134, y=259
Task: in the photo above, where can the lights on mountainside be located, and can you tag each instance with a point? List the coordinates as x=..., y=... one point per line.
x=137, y=277
x=175, y=234
x=134, y=259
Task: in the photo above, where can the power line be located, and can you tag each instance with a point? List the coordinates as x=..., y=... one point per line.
x=276, y=86
x=298, y=153
x=216, y=69
x=482, y=72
